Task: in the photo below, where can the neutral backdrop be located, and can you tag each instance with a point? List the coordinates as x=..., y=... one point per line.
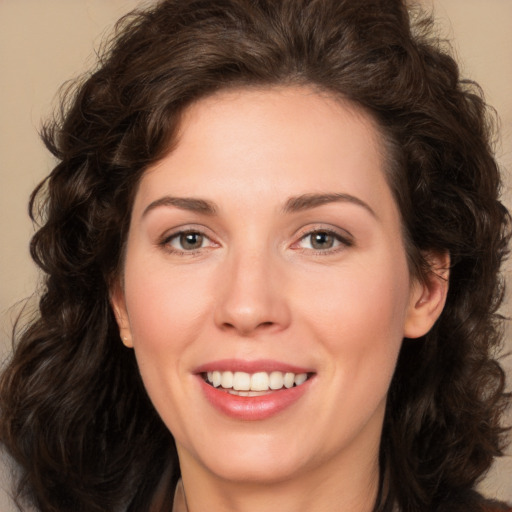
x=43, y=43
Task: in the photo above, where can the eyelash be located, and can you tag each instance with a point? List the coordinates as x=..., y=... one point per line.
x=341, y=241
x=167, y=240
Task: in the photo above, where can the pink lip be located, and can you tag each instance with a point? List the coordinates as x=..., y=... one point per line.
x=256, y=407
x=260, y=365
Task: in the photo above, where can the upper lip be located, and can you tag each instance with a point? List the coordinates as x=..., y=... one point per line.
x=258, y=365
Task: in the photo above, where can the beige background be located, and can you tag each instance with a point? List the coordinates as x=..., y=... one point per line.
x=45, y=42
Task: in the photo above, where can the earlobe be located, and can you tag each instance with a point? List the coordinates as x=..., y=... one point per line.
x=428, y=296
x=119, y=307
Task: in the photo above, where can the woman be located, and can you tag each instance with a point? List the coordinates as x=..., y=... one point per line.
x=272, y=245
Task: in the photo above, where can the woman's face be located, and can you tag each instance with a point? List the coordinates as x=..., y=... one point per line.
x=264, y=252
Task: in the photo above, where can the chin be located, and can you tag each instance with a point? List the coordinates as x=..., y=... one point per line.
x=252, y=461
x=255, y=472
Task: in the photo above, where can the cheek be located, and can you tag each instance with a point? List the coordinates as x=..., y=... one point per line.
x=359, y=313
x=161, y=299
x=167, y=311
x=166, y=308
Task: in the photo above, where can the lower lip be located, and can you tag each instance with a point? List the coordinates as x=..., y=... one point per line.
x=253, y=408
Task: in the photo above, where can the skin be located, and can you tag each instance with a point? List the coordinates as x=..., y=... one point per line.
x=257, y=288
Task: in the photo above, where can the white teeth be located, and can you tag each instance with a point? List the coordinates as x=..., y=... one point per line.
x=246, y=393
x=226, y=380
x=289, y=379
x=276, y=380
x=259, y=381
x=241, y=381
x=243, y=384
x=300, y=378
x=216, y=379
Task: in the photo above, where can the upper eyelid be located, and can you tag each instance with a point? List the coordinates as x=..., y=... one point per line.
x=186, y=228
x=341, y=233
x=165, y=243
x=344, y=238
x=174, y=234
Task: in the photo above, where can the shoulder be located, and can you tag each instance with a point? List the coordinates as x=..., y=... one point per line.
x=472, y=502
x=496, y=507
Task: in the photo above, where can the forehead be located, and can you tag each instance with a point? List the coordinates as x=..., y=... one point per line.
x=271, y=141
x=271, y=114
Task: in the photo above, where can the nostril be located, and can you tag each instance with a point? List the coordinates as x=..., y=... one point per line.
x=247, y=328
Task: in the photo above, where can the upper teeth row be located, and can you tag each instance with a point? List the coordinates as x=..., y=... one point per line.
x=260, y=381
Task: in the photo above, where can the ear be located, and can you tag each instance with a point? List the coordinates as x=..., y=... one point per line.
x=118, y=304
x=428, y=296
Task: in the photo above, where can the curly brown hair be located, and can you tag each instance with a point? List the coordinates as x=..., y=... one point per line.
x=75, y=415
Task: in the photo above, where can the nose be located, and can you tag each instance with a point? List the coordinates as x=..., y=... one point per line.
x=251, y=298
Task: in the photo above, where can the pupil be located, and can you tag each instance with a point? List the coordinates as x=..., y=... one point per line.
x=191, y=240
x=322, y=241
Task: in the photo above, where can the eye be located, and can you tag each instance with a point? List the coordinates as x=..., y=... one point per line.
x=187, y=241
x=322, y=240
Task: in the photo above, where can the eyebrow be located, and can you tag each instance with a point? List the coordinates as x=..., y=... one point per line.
x=308, y=201
x=293, y=204
x=184, y=203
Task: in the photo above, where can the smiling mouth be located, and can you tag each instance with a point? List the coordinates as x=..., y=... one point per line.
x=254, y=384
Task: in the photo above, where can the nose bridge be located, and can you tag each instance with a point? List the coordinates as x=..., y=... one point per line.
x=251, y=297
